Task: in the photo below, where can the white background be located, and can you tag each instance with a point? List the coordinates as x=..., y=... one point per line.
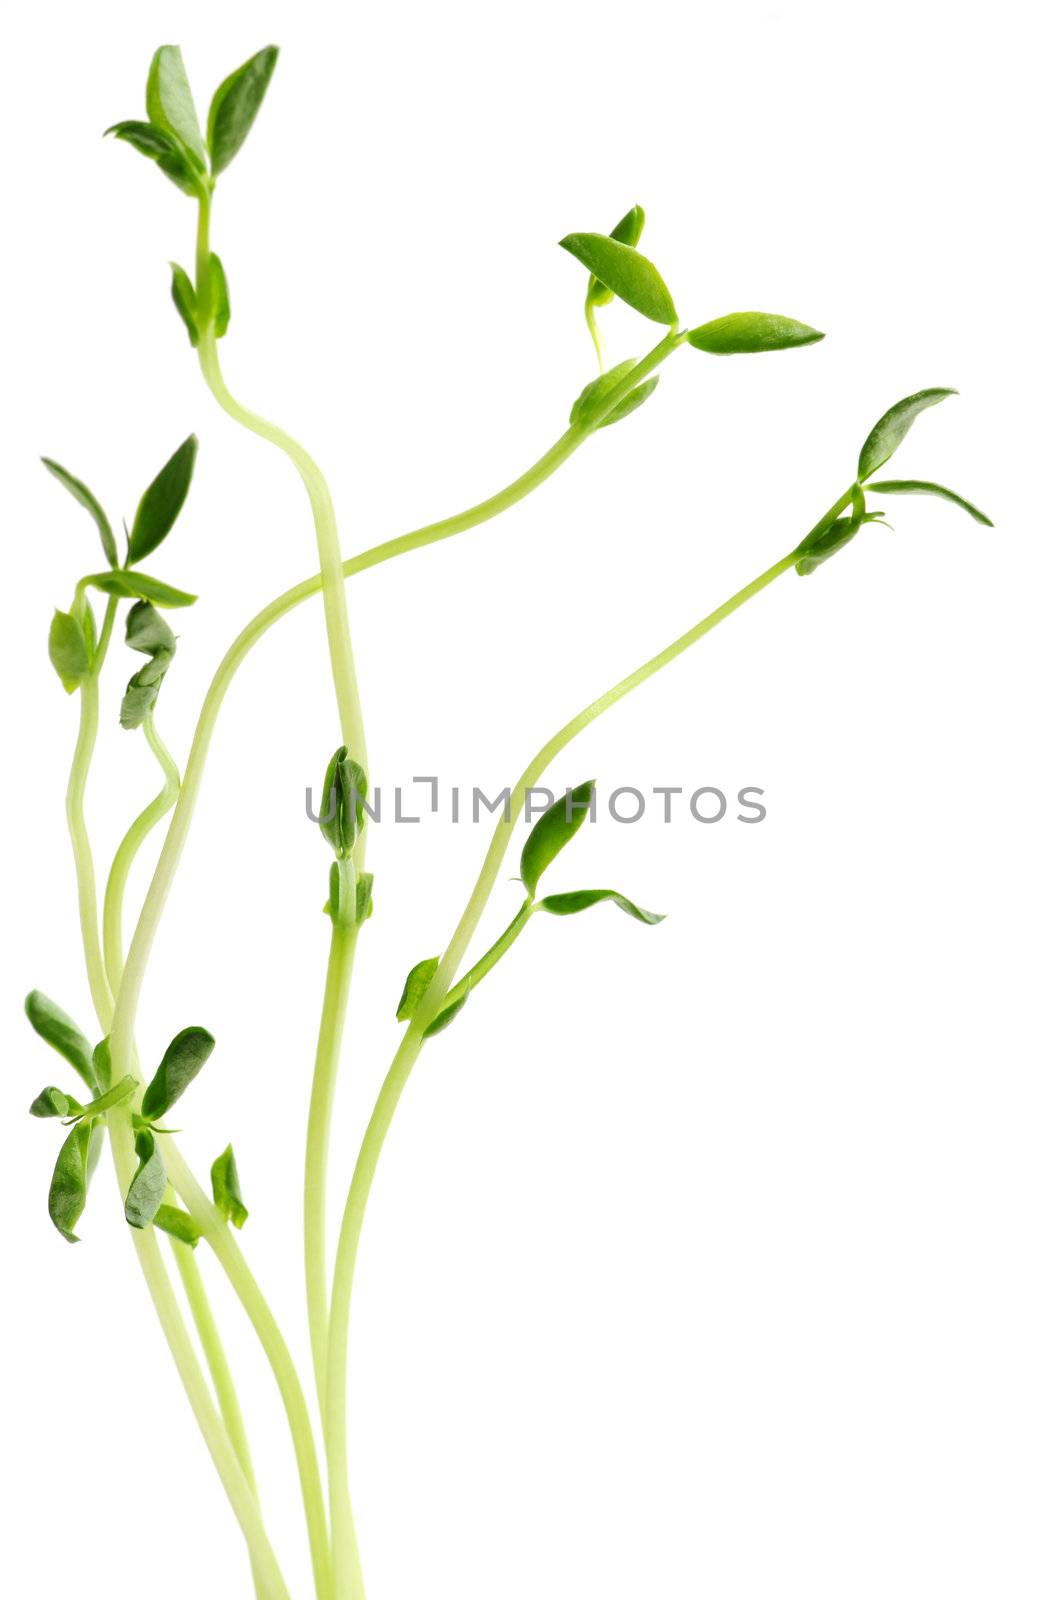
x=714, y=1260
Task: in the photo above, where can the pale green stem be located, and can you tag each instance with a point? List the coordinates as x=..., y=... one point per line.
x=152, y=1266
x=125, y=855
x=592, y=325
x=326, y=1066
x=220, y=1239
x=345, y=1571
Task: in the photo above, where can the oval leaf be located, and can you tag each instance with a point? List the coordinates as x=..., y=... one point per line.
x=890, y=430
x=225, y=1183
x=557, y=825
x=139, y=586
x=628, y=231
x=178, y=1224
x=918, y=486
x=567, y=905
x=149, y=1183
x=445, y=1015
x=630, y=275
x=185, y=1055
x=68, y=650
x=86, y=498
x=56, y=1028
x=749, y=332
x=170, y=104
x=236, y=105
x=161, y=502
x=183, y=295
x=220, y=308
x=163, y=149
x=631, y=402
x=52, y=1102
x=70, y=1181
x=413, y=990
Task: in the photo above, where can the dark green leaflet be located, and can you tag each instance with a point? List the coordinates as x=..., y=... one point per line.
x=235, y=106
x=85, y=497
x=557, y=825
x=566, y=905
x=185, y=1056
x=892, y=428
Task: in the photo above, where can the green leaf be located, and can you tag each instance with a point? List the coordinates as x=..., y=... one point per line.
x=183, y=294
x=748, y=332
x=123, y=1090
x=918, y=486
x=163, y=149
x=178, y=1224
x=225, y=1183
x=342, y=810
x=629, y=275
x=445, y=1015
x=170, y=104
x=221, y=310
x=70, y=1181
x=149, y=633
x=816, y=548
x=363, y=898
x=185, y=1055
x=161, y=502
x=627, y=231
x=557, y=825
x=597, y=392
x=236, y=105
x=68, y=650
x=52, y=1102
x=413, y=990
x=101, y=1063
x=85, y=497
x=566, y=905
x=138, y=586
x=892, y=428
x=149, y=1183
x=56, y=1028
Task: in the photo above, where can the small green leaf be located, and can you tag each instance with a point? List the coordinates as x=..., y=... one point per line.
x=149, y=633
x=342, y=802
x=748, y=332
x=161, y=502
x=236, y=105
x=918, y=486
x=629, y=275
x=68, y=650
x=138, y=586
x=413, y=990
x=123, y=1090
x=631, y=402
x=101, y=1063
x=557, y=825
x=170, y=104
x=149, y=1183
x=85, y=497
x=892, y=428
x=56, y=1028
x=566, y=905
x=225, y=1183
x=219, y=297
x=183, y=294
x=70, y=1181
x=178, y=1224
x=363, y=897
x=816, y=548
x=52, y=1102
x=163, y=149
x=185, y=1055
x=446, y=1014
x=627, y=231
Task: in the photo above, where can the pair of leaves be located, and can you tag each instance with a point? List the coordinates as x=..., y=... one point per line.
x=185, y=1056
x=225, y=1185
x=590, y=399
x=619, y=267
x=147, y=632
x=172, y=137
x=159, y=507
x=217, y=310
x=889, y=432
x=342, y=810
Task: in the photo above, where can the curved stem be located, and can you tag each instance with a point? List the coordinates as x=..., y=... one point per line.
x=410, y=1047
x=88, y=915
x=125, y=855
x=218, y=1236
